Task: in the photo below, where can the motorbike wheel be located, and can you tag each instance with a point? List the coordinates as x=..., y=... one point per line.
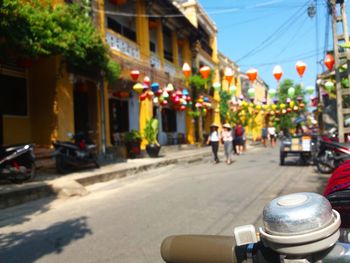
x=21, y=177
x=322, y=164
x=61, y=165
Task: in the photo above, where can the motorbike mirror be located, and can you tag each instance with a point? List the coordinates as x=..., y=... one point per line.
x=70, y=135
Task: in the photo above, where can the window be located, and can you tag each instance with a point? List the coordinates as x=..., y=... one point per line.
x=167, y=39
x=152, y=46
x=13, y=99
x=169, y=120
x=119, y=28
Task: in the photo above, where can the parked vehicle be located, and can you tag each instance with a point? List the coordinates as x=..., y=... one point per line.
x=78, y=153
x=331, y=154
x=299, y=227
x=17, y=163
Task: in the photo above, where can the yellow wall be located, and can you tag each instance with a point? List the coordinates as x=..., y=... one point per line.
x=17, y=130
x=42, y=82
x=146, y=113
x=189, y=129
x=142, y=30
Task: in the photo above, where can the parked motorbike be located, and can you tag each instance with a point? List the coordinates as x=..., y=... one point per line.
x=297, y=228
x=78, y=153
x=17, y=163
x=331, y=154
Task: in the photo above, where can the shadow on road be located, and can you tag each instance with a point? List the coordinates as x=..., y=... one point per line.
x=30, y=246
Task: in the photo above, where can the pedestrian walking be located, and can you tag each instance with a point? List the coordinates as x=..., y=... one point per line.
x=214, y=140
x=264, y=136
x=272, y=134
x=227, y=138
x=239, y=138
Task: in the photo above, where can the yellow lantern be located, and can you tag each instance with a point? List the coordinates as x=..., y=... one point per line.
x=291, y=104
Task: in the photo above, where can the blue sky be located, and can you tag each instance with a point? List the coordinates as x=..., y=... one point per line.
x=265, y=33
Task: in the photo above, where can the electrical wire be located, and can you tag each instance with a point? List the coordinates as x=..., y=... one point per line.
x=275, y=35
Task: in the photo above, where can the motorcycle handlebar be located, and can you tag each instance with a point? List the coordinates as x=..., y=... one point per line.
x=198, y=249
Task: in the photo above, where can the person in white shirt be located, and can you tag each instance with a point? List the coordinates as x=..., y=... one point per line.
x=227, y=138
x=214, y=140
x=272, y=134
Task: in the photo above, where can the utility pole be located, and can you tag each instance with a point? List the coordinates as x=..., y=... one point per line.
x=342, y=57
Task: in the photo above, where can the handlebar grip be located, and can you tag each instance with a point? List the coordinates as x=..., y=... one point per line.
x=198, y=249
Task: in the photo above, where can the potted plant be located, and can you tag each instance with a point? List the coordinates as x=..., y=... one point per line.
x=150, y=133
x=133, y=140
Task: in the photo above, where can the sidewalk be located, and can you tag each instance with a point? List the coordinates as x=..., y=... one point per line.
x=49, y=183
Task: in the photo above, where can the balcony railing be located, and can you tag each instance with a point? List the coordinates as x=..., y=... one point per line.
x=169, y=68
x=155, y=61
x=123, y=45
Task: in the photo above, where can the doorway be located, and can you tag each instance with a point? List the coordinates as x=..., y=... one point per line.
x=85, y=109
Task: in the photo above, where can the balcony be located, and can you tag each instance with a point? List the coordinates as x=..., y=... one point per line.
x=155, y=61
x=121, y=44
x=169, y=68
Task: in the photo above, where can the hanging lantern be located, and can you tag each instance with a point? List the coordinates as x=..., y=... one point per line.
x=264, y=101
x=176, y=100
x=273, y=107
x=299, y=99
x=251, y=92
x=150, y=94
x=241, y=97
x=329, y=85
x=216, y=86
x=186, y=70
x=228, y=74
x=204, y=71
x=233, y=89
x=277, y=72
x=138, y=88
x=170, y=88
x=275, y=100
x=291, y=92
x=145, y=87
x=296, y=109
x=329, y=61
x=258, y=107
x=282, y=106
x=288, y=100
x=155, y=87
x=165, y=94
x=266, y=107
x=134, y=74
x=289, y=110
x=143, y=96
x=185, y=92
x=164, y=103
x=310, y=90
x=291, y=104
x=147, y=81
x=200, y=99
x=300, y=67
x=158, y=92
x=188, y=98
x=252, y=74
x=155, y=101
x=302, y=106
x=198, y=105
x=178, y=93
x=118, y=2
x=272, y=92
x=206, y=99
x=182, y=107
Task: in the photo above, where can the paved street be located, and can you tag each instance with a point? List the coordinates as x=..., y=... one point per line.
x=125, y=220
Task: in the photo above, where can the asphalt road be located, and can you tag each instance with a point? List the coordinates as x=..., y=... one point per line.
x=125, y=220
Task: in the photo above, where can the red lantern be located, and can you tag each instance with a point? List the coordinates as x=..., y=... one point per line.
x=188, y=98
x=252, y=74
x=199, y=105
x=143, y=96
x=118, y=2
x=302, y=106
x=228, y=74
x=159, y=92
x=277, y=72
x=329, y=62
x=205, y=71
x=176, y=100
x=178, y=93
x=289, y=110
x=300, y=67
x=124, y=94
x=182, y=107
x=135, y=75
x=186, y=70
x=164, y=103
x=147, y=81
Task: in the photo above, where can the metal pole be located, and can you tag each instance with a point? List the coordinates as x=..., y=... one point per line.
x=103, y=115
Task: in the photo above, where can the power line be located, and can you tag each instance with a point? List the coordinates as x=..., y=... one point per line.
x=266, y=42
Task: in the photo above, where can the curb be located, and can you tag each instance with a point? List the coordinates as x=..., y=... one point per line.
x=66, y=187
